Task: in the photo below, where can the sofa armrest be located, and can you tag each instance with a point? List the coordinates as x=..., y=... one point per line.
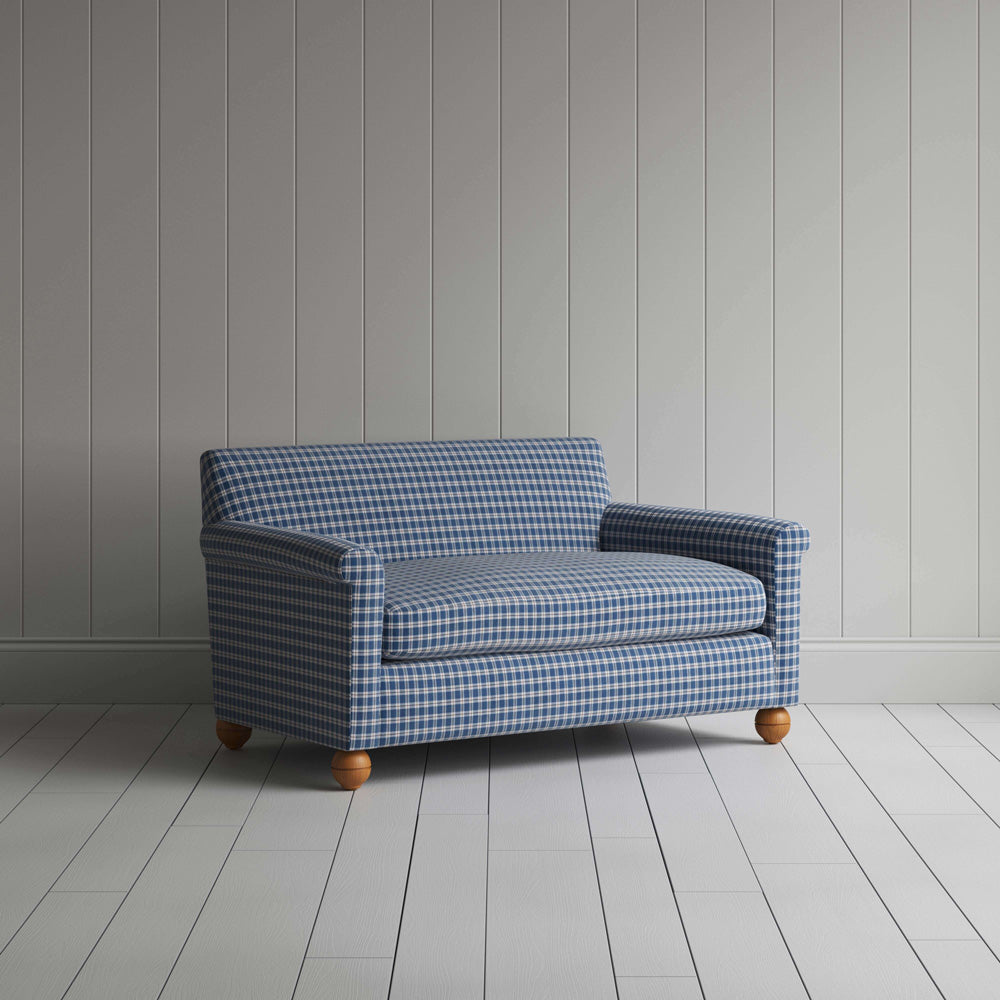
x=767, y=548
x=297, y=552
x=295, y=621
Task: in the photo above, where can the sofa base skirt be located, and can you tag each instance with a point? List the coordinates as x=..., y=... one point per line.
x=465, y=697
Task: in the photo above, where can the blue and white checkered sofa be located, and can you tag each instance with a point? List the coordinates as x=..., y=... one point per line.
x=371, y=595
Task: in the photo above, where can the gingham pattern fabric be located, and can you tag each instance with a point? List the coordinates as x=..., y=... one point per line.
x=767, y=548
x=462, y=605
x=296, y=632
x=463, y=697
x=421, y=498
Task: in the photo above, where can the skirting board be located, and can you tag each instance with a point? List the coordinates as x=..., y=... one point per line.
x=178, y=670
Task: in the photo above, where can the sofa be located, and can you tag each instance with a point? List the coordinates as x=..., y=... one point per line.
x=371, y=595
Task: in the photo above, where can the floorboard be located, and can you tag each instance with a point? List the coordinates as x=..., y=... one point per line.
x=16, y=720
x=373, y=862
x=900, y=772
x=442, y=936
x=37, y=840
x=545, y=935
x=964, y=853
x=644, y=928
x=905, y=884
x=545, y=813
x=137, y=951
x=251, y=936
x=344, y=978
x=738, y=949
x=113, y=857
x=963, y=970
x=830, y=912
x=45, y=954
x=616, y=804
x=138, y=860
x=701, y=848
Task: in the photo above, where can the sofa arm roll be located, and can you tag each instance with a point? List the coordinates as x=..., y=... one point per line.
x=297, y=552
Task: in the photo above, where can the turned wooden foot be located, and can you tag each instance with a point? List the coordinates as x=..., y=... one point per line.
x=772, y=724
x=351, y=768
x=231, y=734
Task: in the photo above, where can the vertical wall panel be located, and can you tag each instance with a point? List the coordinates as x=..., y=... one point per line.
x=671, y=252
x=602, y=400
x=397, y=219
x=261, y=222
x=989, y=317
x=466, y=262
x=123, y=316
x=944, y=599
x=807, y=293
x=192, y=290
x=738, y=354
x=56, y=381
x=10, y=317
x=876, y=375
x=534, y=382
x=329, y=212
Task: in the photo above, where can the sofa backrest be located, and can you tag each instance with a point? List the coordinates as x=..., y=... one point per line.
x=419, y=498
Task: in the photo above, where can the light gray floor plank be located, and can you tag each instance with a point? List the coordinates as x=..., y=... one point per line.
x=616, y=805
x=674, y=988
x=775, y=814
x=125, y=840
x=299, y=785
x=227, y=790
x=110, y=755
x=807, y=743
x=977, y=771
x=844, y=942
x=24, y=765
x=545, y=812
x=251, y=936
x=68, y=722
x=372, y=862
x=137, y=951
x=974, y=714
x=644, y=928
x=963, y=970
x=699, y=843
x=545, y=935
x=931, y=726
x=344, y=978
x=964, y=853
x=665, y=746
x=442, y=936
x=737, y=947
x=16, y=720
x=907, y=887
x=37, y=841
x=458, y=777
x=987, y=734
x=901, y=773
x=733, y=727
x=45, y=954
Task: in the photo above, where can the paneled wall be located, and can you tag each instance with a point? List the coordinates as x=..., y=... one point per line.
x=752, y=245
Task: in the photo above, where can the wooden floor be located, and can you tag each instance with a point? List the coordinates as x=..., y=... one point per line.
x=861, y=858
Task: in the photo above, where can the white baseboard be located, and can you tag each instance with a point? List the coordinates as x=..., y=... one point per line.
x=178, y=670
x=920, y=670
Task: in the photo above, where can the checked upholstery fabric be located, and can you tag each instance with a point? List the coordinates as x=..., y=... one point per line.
x=372, y=595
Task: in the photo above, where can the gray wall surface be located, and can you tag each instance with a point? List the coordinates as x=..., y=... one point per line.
x=752, y=246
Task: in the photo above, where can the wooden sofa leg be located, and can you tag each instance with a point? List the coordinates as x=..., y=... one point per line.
x=772, y=724
x=231, y=734
x=351, y=768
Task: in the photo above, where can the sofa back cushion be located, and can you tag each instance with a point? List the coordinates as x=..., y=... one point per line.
x=420, y=498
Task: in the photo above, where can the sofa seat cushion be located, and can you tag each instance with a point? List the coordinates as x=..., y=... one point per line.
x=463, y=605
